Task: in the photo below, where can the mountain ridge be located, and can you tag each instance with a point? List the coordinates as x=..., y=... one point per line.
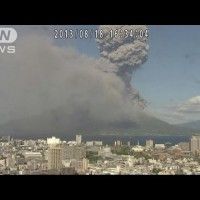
x=53, y=123
x=192, y=124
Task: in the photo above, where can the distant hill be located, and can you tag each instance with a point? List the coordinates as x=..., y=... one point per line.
x=54, y=123
x=151, y=125
x=191, y=125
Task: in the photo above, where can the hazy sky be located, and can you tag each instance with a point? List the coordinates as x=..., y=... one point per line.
x=169, y=80
x=171, y=76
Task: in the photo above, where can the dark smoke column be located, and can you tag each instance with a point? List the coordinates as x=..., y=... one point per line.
x=125, y=54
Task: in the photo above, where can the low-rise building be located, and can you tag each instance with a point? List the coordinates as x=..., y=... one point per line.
x=159, y=146
x=32, y=155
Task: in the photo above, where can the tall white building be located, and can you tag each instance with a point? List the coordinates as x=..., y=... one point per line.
x=78, y=139
x=149, y=143
x=53, y=141
x=195, y=144
x=54, y=157
x=54, y=153
x=10, y=161
x=85, y=164
x=118, y=143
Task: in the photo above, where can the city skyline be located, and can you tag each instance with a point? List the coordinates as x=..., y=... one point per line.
x=53, y=156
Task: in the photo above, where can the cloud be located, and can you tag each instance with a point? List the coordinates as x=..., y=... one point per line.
x=190, y=106
x=182, y=112
x=175, y=113
x=168, y=113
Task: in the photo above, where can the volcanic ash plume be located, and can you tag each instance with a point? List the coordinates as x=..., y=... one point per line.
x=45, y=88
x=124, y=53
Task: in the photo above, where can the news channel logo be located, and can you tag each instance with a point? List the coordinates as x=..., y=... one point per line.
x=7, y=37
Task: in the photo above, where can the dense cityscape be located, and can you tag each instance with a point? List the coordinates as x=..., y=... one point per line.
x=53, y=156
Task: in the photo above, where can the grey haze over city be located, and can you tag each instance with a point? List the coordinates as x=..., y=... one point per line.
x=68, y=89
x=46, y=88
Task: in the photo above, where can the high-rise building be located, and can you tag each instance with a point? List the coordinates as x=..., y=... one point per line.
x=118, y=143
x=149, y=143
x=55, y=157
x=78, y=139
x=54, y=153
x=10, y=161
x=85, y=164
x=53, y=141
x=195, y=144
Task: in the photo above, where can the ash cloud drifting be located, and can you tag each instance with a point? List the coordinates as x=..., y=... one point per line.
x=59, y=89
